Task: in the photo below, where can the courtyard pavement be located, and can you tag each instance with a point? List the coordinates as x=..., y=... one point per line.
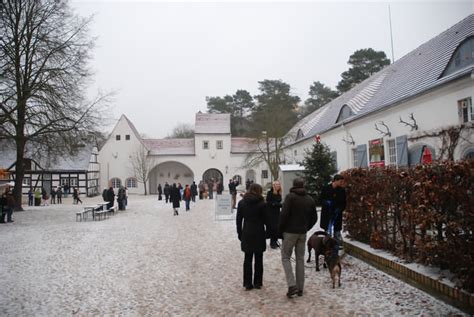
x=146, y=262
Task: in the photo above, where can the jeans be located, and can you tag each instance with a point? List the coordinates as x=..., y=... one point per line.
x=187, y=204
x=296, y=241
x=258, y=277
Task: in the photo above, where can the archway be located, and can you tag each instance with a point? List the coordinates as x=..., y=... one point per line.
x=171, y=172
x=212, y=173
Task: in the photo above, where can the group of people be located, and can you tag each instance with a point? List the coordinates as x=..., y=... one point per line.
x=176, y=193
x=7, y=205
x=55, y=196
x=108, y=195
x=259, y=219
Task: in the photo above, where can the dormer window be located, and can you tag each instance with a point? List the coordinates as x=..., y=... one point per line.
x=463, y=56
x=299, y=134
x=345, y=113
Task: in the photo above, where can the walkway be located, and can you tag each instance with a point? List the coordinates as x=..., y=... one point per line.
x=147, y=262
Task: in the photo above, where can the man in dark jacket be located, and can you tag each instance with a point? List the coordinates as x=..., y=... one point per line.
x=110, y=197
x=193, y=191
x=298, y=215
x=333, y=202
x=167, y=192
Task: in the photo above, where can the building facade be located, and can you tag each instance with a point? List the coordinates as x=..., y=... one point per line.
x=404, y=115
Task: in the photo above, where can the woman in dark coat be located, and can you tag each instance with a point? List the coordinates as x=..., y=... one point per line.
x=273, y=213
x=251, y=212
x=175, y=197
x=160, y=192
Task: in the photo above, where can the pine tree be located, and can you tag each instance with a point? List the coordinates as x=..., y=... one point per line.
x=319, y=167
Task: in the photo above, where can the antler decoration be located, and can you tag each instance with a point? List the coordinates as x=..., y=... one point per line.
x=384, y=133
x=413, y=125
x=350, y=141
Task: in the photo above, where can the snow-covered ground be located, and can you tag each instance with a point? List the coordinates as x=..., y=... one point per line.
x=147, y=262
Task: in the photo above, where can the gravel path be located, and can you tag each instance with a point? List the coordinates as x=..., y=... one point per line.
x=147, y=262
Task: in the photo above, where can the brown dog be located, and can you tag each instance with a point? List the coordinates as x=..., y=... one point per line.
x=320, y=241
x=334, y=265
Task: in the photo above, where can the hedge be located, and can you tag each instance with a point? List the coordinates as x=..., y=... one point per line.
x=422, y=214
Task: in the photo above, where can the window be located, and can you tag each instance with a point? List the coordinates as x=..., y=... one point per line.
x=64, y=181
x=115, y=182
x=205, y=145
x=465, y=110
x=127, y=137
x=219, y=145
x=131, y=182
x=355, y=161
x=345, y=113
x=462, y=57
x=264, y=173
x=392, y=152
x=295, y=152
x=26, y=181
x=73, y=182
x=117, y=137
x=376, y=153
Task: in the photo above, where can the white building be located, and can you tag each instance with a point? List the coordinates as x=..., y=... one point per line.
x=212, y=153
x=377, y=123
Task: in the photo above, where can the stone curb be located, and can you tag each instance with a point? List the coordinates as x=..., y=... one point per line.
x=453, y=296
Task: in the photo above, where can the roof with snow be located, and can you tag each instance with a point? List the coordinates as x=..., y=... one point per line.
x=242, y=145
x=212, y=123
x=170, y=146
x=78, y=162
x=415, y=73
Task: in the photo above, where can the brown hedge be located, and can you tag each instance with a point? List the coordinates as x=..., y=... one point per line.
x=422, y=214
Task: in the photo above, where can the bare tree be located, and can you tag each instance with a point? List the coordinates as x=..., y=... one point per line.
x=182, y=131
x=450, y=138
x=267, y=150
x=44, y=52
x=141, y=165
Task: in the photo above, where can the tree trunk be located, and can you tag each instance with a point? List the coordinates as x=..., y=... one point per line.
x=19, y=172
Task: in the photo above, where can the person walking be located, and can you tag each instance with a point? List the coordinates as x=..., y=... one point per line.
x=193, y=191
x=59, y=195
x=175, y=197
x=44, y=197
x=187, y=196
x=8, y=204
x=210, y=186
x=75, y=196
x=250, y=222
x=160, y=192
x=273, y=213
x=30, y=197
x=110, y=197
x=333, y=202
x=202, y=189
x=167, y=192
x=233, y=191
x=298, y=215
x=53, y=196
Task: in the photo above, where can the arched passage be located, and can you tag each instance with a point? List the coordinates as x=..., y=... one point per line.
x=212, y=173
x=171, y=172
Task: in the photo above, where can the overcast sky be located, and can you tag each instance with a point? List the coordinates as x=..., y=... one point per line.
x=164, y=58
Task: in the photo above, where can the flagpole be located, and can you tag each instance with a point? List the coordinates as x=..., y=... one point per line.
x=391, y=34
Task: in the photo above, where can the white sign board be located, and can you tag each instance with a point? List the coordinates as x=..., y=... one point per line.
x=223, y=205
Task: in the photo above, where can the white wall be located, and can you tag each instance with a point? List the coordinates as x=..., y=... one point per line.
x=433, y=110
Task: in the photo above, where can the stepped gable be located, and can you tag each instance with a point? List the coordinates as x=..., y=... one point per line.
x=170, y=146
x=212, y=123
x=414, y=74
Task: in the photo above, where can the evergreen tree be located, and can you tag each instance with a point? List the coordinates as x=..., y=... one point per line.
x=364, y=63
x=319, y=95
x=319, y=167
